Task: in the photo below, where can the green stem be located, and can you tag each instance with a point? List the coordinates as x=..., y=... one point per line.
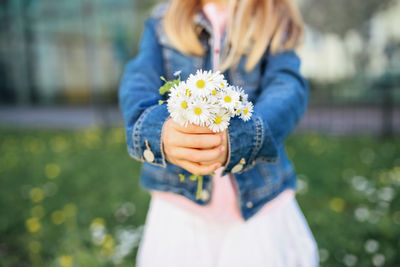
x=199, y=186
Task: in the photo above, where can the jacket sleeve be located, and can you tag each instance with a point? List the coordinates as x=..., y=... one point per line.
x=138, y=100
x=279, y=107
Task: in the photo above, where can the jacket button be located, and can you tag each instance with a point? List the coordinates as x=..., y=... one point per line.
x=148, y=155
x=237, y=168
x=249, y=204
x=205, y=195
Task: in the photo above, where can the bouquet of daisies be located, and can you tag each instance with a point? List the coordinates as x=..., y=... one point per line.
x=206, y=99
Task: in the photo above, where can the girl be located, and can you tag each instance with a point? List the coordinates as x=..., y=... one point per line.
x=247, y=214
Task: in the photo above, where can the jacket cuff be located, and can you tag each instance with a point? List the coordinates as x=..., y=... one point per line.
x=249, y=142
x=147, y=136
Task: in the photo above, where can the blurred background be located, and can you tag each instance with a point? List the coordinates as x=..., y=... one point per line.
x=69, y=192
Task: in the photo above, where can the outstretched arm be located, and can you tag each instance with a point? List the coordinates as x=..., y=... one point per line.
x=283, y=101
x=138, y=99
x=151, y=135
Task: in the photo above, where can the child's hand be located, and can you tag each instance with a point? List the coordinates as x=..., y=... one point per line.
x=224, y=156
x=194, y=148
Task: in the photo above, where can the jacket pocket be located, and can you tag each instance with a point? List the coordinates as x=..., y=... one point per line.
x=273, y=177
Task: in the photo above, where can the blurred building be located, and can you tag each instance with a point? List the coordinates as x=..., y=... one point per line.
x=330, y=57
x=353, y=64
x=66, y=51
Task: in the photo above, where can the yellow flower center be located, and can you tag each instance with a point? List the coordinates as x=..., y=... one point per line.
x=222, y=84
x=200, y=84
x=245, y=111
x=184, y=104
x=198, y=111
x=218, y=120
x=214, y=92
x=187, y=92
x=227, y=99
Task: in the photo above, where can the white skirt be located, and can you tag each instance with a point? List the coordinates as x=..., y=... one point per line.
x=176, y=237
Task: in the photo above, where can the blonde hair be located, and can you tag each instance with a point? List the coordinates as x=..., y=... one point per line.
x=252, y=26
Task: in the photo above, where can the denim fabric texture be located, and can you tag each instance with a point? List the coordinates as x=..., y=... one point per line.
x=275, y=86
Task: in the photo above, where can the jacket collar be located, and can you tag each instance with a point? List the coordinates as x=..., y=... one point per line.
x=201, y=21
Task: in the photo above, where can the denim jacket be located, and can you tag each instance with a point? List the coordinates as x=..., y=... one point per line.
x=257, y=158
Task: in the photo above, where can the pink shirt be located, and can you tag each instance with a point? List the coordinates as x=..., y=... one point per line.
x=224, y=205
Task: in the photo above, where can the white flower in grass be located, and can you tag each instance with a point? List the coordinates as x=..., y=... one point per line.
x=229, y=99
x=247, y=111
x=200, y=84
x=220, y=121
x=199, y=112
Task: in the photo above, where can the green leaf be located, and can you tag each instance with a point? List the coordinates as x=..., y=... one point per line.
x=167, y=86
x=163, y=89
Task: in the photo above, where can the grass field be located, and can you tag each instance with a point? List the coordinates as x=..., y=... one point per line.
x=72, y=198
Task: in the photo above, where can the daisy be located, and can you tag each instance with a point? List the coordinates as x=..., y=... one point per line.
x=200, y=84
x=180, y=117
x=178, y=107
x=242, y=95
x=223, y=84
x=220, y=122
x=175, y=91
x=199, y=112
x=206, y=99
x=230, y=99
x=238, y=109
x=177, y=73
x=247, y=111
x=185, y=89
x=218, y=79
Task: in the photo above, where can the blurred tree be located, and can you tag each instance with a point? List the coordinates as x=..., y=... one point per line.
x=338, y=16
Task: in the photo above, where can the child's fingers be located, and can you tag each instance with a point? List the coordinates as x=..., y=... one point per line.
x=193, y=129
x=196, y=155
x=198, y=169
x=211, y=162
x=221, y=158
x=194, y=140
